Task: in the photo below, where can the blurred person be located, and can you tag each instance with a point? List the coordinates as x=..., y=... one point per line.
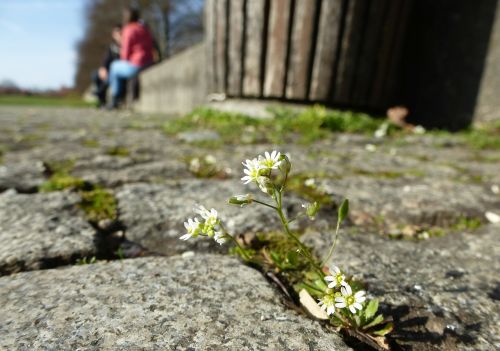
x=136, y=53
x=100, y=77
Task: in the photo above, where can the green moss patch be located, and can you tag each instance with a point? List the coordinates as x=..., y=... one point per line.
x=305, y=126
x=119, y=151
x=98, y=204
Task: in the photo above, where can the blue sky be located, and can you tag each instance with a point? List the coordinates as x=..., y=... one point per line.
x=38, y=41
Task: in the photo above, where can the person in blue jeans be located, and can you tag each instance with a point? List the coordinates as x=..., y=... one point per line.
x=136, y=53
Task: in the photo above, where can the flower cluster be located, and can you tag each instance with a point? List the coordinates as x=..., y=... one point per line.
x=258, y=170
x=340, y=295
x=208, y=226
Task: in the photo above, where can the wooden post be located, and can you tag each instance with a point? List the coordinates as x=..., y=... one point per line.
x=220, y=46
x=254, y=47
x=235, y=49
x=326, y=49
x=349, y=51
x=210, y=29
x=300, y=51
x=279, y=16
x=367, y=64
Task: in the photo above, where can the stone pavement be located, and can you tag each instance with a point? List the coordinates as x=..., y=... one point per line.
x=417, y=235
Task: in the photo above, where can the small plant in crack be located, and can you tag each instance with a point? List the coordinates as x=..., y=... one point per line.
x=335, y=296
x=86, y=260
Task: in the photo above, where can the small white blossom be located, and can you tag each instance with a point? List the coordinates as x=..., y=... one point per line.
x=210, y=217
x=271, y=160
x=348, y=300
x=193, y=227
x=220, y=238
x=252, y=171
x=335, y=279
x=327, y=303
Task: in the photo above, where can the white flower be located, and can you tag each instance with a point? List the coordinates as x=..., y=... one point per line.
x=335, y=279
x=270, y=161
x=193, y=227
x=220, y=238
x=252, y=171
x=348, y=300
x=210, y=217
x=327, y=303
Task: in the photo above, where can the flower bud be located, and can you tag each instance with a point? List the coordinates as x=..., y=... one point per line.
x=266, y=185
x=311, y=209
x=285, y=164
x=241, y=200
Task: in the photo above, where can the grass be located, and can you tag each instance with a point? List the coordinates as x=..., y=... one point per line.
x=422, y=232
x=22, y=100
x=61, y=181
x=482, y=137
x=309, y=125
x=91, y=143
x=286, y=125
x=96, y=202
x=119, y=151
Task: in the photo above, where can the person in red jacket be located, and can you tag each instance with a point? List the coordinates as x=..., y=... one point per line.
x=136, y=53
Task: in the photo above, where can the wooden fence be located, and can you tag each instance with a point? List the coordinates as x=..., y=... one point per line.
x=337, y=52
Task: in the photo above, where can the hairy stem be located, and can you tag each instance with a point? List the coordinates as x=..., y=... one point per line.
x=332, y=248
x=241, y=249
x=303, y=249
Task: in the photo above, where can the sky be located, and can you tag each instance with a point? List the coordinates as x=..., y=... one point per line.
x=38, y=41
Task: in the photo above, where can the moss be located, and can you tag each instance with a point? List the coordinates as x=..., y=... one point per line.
x=90, y=143
x=305, y=126
x=60, y=166
x=276, y=252
x=461, y=224
x=119, y=151
x=61, y=181
x=482, y=137
x=467, y=224
x=388, y=174
x=98, y=204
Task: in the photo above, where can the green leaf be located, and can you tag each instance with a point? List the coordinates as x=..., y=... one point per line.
x=292, y=258
x=357, y=320
x=371, y=309
x=343, y=210
x=385, y=330
x=377, y=320
x=276, y=258
x=320, y=284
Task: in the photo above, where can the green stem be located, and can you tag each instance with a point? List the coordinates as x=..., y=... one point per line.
x=303, y=249
x=263, y=203
x=226, y=234
x=313, y=288
x=332, y=248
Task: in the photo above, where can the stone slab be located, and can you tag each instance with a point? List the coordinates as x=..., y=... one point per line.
x=443, y=293
x=154, y=214
x=205, y=302
x=24, y=176
x=41, y=231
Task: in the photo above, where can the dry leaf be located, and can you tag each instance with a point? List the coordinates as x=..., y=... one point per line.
x=311, y=305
